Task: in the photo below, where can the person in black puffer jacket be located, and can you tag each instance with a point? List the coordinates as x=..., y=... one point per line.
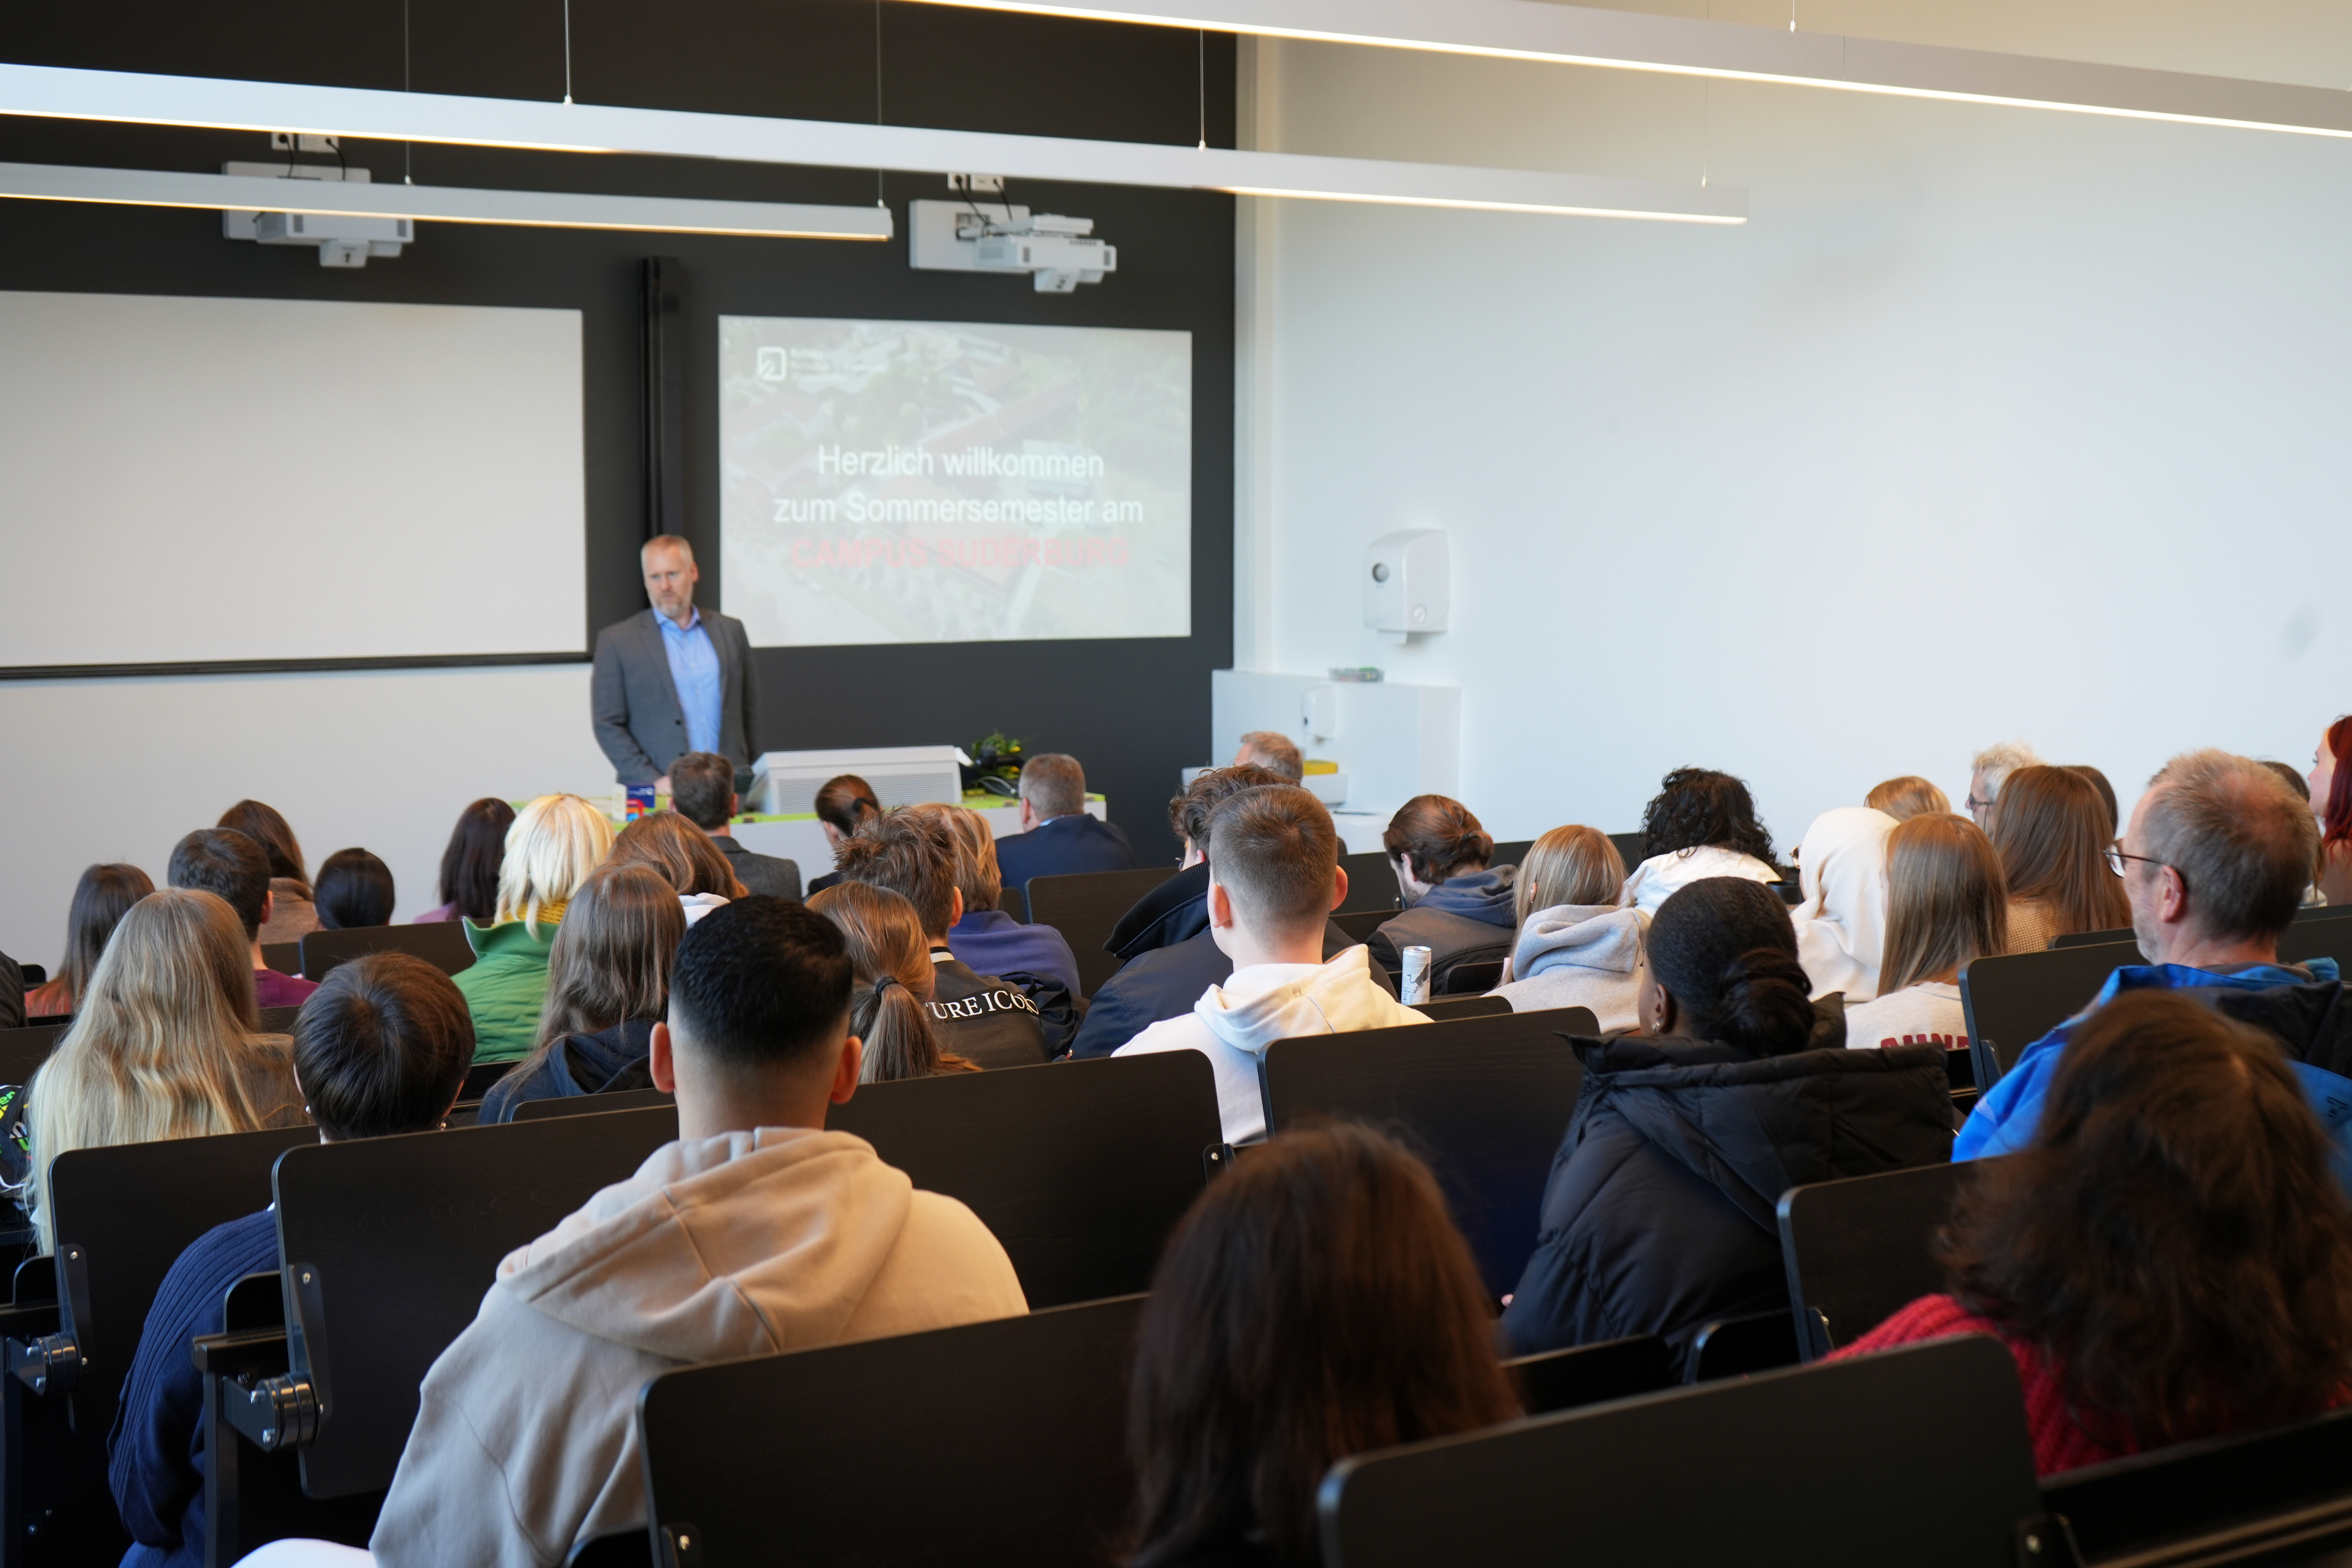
x=1658, y=1218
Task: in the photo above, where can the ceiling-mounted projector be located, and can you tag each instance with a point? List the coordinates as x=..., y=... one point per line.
x=966, y=236
x=342, y=240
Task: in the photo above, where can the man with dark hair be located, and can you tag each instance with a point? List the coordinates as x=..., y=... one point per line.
x=702, y=791
x=2215, y=861
x=1167, y=955
x=995, y=1020
x=756, y=1232
x=1274, y=879
x=1058, y=837
x=223, y=862
x=380, y=1047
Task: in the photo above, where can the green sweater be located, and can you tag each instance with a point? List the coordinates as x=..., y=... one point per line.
x=506, y=988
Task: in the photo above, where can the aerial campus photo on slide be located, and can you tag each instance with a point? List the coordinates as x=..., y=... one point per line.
x=935, y=481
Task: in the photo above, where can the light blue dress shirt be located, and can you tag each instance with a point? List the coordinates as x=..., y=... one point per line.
x=694, y=669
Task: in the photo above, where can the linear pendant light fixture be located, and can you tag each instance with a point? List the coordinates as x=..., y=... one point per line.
x=1628, y=40
x=56, y=92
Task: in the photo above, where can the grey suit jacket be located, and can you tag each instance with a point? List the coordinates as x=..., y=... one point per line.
x=638, y=721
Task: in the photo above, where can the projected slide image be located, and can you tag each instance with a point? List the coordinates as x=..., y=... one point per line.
x=928, y=481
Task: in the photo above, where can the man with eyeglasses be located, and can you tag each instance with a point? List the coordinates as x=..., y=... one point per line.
x=1987, y=772
x=2214, y=860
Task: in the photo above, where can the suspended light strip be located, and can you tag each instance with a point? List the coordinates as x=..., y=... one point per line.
x=1628, y=40
x=530, y=209
x=54, y=93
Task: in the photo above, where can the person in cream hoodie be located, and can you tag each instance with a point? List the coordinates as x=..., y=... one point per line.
x=756, y=1232
x=1274, y=879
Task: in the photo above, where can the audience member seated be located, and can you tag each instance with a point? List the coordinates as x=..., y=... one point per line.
x=102, y=897
x=1275, y=752
x=290, y=915
x=1168, y=957
x=1700, y=824
x=757, y=1232
x=1842, y=923
x=1315, y=1302
x=2106, y=795
x=555, y=842
x=1907, y=797
x=846, y=803
x=1577, y=946
x=702, y=791
x=2168, y=1258
x=2331, y=803
x=470, y=866
x=890, y=1009
x=380, y=1048
x=1454, y=906
x=225, y=863
x=1989, y=771
x=2213, y=862
x=2052, y=831
x=984, y=937
x=2293, y=780
x=1273, y=880
x=688, y=857
x=607, y=985
x=1057, y=838
x=165, y=1045
x=353, y=889
x=1945, y=904
x=989, y=1019
x=1658, y=1215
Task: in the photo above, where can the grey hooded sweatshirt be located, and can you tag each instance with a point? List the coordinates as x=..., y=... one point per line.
x=741, y=1245
x=1580, y=955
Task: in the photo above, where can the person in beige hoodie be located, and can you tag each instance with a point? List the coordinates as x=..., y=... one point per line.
x=756, y=1232
x=1274, y=879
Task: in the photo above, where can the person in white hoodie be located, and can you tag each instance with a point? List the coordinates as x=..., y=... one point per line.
x=1842, y=924
x=1700, y=824
x=756, y=1232
x=1577, y=946
x=1274, y=879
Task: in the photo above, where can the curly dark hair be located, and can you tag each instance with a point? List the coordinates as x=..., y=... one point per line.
x=2172, y=1239
x=1698, y=808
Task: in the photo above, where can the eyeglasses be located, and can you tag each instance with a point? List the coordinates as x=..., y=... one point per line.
x=1974, y=804
x=2116, y=859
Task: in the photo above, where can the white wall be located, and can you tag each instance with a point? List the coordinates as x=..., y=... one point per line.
x=118, y=770
x=1991, y=423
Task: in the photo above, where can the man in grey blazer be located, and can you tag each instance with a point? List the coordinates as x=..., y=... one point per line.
x=672, y=679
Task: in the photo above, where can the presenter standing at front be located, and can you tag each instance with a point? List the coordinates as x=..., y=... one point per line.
x=673, y=679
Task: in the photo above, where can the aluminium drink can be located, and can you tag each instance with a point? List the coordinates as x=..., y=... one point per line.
x=1415, y=985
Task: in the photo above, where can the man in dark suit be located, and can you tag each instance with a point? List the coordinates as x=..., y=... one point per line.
x=702, y=791
x=672, y=679
x=1057, y=838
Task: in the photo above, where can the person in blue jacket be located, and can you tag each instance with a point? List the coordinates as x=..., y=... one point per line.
x=2215, y=861
x=1058, y=837
x=381, y=1047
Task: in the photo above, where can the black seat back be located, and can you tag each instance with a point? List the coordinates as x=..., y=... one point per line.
x=590, y=1104
x=1371, y=883
x=1085, y=907
x=1614, y=1484
x=441, y=943
x=1485, y=1100
x=1632, y=848
x=2179, y=1495
x=1859, y=1251
x=2014, y=999
x=1016, y=1428
x=1511, y=853
x=278, y=1020
x=2095, y=937
x=1450, y=1009
x=405, y=1234
x=1079, y=1168
x=2306, y=940
x=1592, y=1374
x=22, y=1051
x=1360, y=924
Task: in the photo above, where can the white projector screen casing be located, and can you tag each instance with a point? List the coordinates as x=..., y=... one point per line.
x=208, y=481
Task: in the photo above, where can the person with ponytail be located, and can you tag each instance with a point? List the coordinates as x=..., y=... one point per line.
x=1456, y=907
x=1658, y=1215
x=890, y=1003
x=845, y=804
x=2331, y=803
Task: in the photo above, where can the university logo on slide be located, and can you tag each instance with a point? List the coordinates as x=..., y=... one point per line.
x=775, y=364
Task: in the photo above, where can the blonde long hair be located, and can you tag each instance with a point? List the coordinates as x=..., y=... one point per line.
x=1946, y=899
x=165, y=1045
x=553, y=844
x=1571, y=865
x=890, y=1007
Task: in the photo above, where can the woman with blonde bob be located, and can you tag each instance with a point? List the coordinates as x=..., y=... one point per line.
x=984, y=937
x=890, y=1007
x=166, y=1044
x=2053, y=828
x=1946, y=903
x=607, y=985
x=1578, y=945
x=555, y=842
